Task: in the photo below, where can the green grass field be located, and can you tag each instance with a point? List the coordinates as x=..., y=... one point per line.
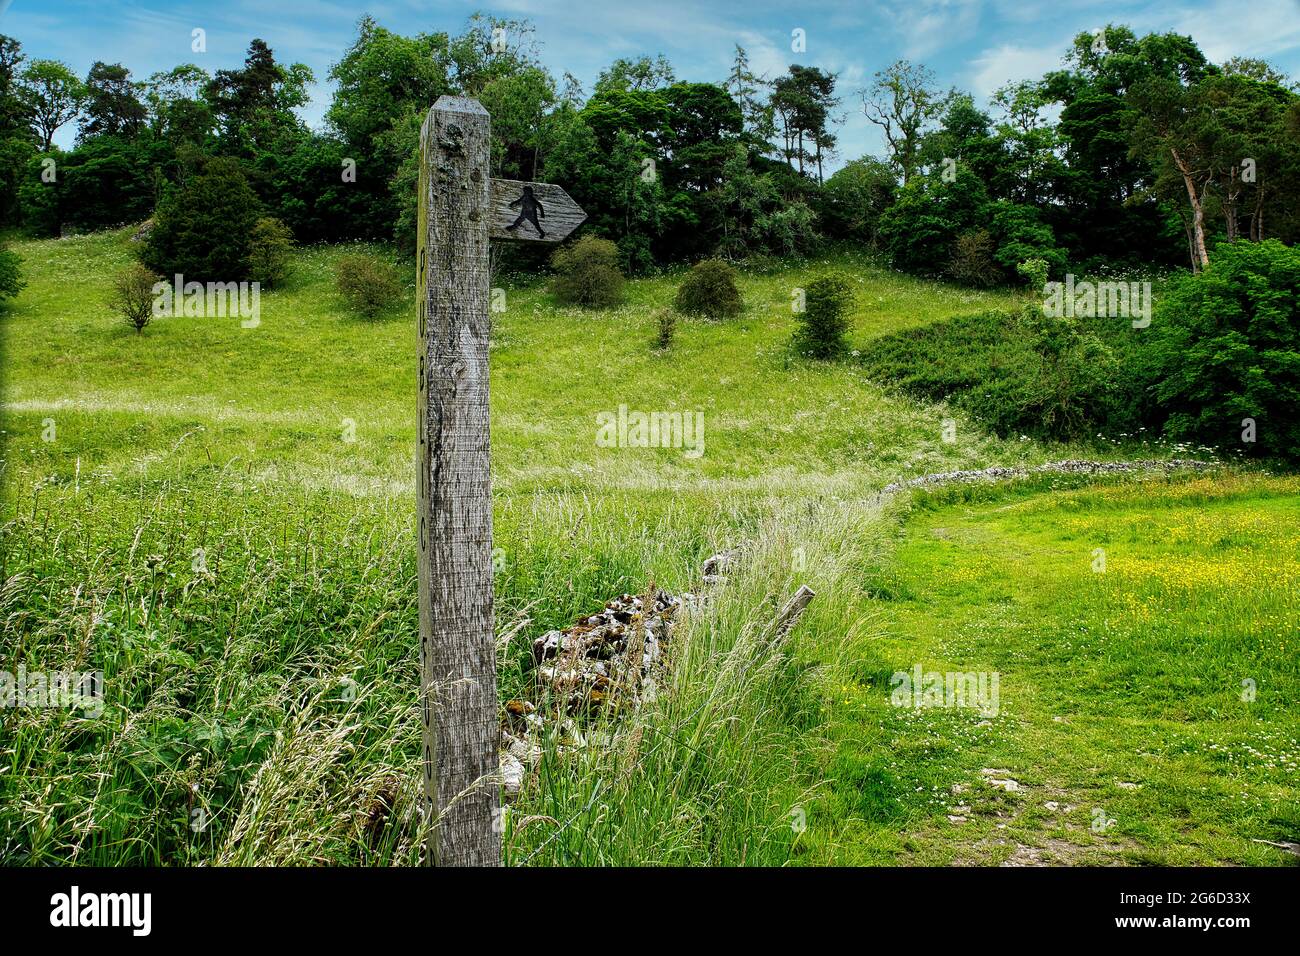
x=220, y=518
x=1146, y=708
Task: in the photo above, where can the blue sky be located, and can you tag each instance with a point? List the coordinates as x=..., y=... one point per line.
x=975, y=45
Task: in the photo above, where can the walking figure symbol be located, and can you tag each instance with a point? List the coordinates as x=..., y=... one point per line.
x=530, y=209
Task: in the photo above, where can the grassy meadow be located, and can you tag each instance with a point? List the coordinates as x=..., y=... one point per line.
x=1145, y=634
x=220, y=519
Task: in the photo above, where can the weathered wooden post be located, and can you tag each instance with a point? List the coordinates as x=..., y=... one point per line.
x=460, y=207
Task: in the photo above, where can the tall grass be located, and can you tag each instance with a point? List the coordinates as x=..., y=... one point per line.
x=259, y=653
x=719, y=767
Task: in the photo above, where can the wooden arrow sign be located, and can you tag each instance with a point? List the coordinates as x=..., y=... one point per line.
x=537, y=212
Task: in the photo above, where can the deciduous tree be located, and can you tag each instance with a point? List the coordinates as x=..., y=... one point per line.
x=903, y=101
x=54, y=95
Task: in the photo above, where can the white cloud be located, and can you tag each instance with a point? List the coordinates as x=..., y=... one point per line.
x=1227, y=28
x=926, y=26
x=1007, y=63
x=765, y=57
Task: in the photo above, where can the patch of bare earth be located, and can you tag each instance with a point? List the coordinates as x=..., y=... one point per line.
x=1062, y=835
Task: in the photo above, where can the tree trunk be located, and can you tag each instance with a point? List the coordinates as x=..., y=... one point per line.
x=1199, y=254
x=1187, y=232
x=457, y=650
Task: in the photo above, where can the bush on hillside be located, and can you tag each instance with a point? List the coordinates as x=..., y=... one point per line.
x=203, y=228
x=270, y=249
x=665, y=329
x=368, y=283
x=709, y=289
x=131, y=295
x=11, y=277
x=925, y=232
x=824, y=320
x=1034, y=272
x=919, y=230
x=760, y=209
x=1019, y=374
x=1018, y=234
x=971, y=262
x=588, y=274
x=1224, y=347
x=1069, y=383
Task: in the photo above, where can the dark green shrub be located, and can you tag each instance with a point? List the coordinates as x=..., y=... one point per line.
x=1018, y=234
x=919, y=230
x=107, y=181
x=1224, y=347
x=922, y=231
x=1019, y=374
x=1068, y=383
x=824, y=319
x=368, y=283
x=11, y=277
x=39, y=198
x=15, y=152
x=270, y=249
x=302, y=185
x=203, y=229
x=709, y=289
x=588, y=274
x=853, y=199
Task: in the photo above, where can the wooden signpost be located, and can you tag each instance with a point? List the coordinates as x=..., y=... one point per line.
x=461, y=208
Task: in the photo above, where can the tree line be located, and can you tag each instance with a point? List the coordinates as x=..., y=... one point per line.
x=1138, y=150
